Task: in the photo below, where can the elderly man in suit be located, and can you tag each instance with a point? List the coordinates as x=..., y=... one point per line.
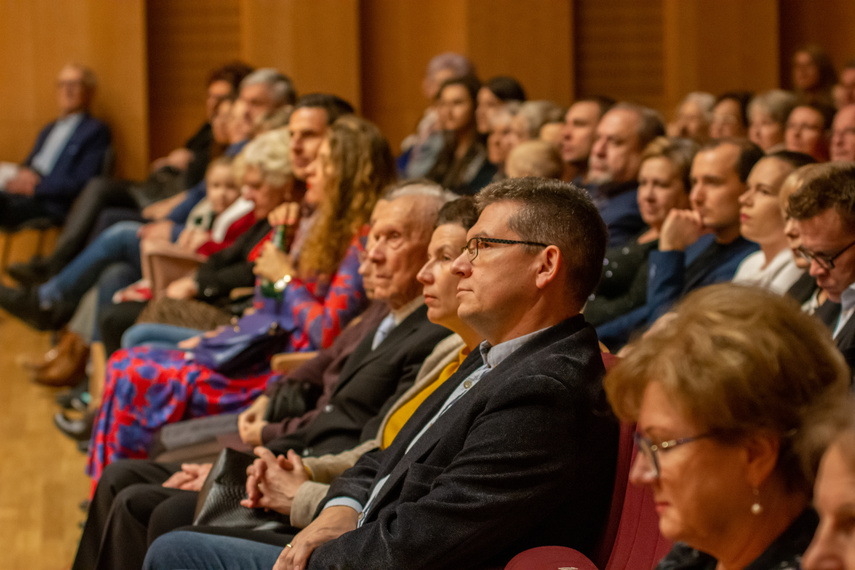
x=68, y=152
x=517, y=449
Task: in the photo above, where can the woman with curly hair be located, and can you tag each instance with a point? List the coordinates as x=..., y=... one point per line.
x=314, y=296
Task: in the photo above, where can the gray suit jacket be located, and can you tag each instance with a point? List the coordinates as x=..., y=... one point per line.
x=526, y=458
x=327, y=467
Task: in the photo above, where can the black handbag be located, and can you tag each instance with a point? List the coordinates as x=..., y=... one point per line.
x=291, y=400
x=223, y=490
x=243, y=352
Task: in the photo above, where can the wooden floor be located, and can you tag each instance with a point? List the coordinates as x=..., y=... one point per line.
x=41, y=472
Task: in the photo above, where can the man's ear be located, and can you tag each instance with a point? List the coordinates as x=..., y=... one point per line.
x=550, y=263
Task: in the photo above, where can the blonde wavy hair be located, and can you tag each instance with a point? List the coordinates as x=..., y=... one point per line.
x=363, y=166
x=738, y=361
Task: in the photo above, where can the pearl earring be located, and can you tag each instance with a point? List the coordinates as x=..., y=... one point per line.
x=756, y=507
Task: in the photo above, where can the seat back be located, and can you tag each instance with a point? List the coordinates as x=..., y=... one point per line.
x=550, y=558
x=605, y=545
x=638, y=543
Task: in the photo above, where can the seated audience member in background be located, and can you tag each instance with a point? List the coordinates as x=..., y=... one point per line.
x=823, y=210
x=694, y=116
x=68, y=152
x=103, y=193
x=622, y=135
x=461, y=164
x=760, y=221
x=663, y=185
x=767, y=116
x=833, y=545
x=494, y=93
x=534, y=158
x=531, y=116
x=369, y=366
x=420, y=149
x=804, y=290
x=846, y=86
x=319, y=292
x=526, y=408
x=499, y=139
x=231, y=268
x=843, y=134
x=577, y=137
x=730, y=115
x=807, y=130
x=813, y=74
x=51, y=305
x=727, y=394
x=700, y=246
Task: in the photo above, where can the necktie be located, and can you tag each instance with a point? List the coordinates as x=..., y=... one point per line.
x=829, y=313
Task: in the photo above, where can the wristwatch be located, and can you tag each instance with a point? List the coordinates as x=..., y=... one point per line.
x=280, y=284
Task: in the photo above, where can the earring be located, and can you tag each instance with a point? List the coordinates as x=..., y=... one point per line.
x=756, y=507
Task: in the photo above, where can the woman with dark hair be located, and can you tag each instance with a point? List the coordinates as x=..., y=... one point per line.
x=314, y=297
x=494, y=93
x=462, y=164
x=813, y=73
x=730, y=115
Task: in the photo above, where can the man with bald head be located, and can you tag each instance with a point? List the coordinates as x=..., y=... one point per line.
x=68, y=152
x=621, y=136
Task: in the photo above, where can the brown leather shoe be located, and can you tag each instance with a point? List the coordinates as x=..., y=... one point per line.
x=68, y=368
x=35, y=362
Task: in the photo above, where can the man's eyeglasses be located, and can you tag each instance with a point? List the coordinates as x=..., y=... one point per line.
x=651, y=450
x=474, y=244
x=823, y=260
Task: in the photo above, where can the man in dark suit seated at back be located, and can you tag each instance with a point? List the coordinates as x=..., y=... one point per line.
x=516, y=450
x=68, y=152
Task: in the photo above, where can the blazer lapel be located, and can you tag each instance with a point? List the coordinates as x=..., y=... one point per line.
x=363, y=355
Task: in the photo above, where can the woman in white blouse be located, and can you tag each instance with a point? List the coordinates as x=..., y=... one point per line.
x=760, y=221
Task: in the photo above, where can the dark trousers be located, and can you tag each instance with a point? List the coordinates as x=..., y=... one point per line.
x=131, y=509
x=15, y=209
x=114, y=320
x=116, y=532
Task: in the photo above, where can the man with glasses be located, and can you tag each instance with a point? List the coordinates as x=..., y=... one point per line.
x=824, y=209
x=67, y=153
x=517, y=449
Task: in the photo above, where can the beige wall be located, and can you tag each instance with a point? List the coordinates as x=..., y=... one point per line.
x=152, y=56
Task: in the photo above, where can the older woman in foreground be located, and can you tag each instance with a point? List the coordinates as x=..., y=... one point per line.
x=726, y=393
x=833, y=546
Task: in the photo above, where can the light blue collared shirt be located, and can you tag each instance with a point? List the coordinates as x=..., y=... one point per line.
x=44, y=160
x=847, y=308
x=492, y=356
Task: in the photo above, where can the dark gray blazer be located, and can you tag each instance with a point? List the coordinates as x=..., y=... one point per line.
x=525, y=459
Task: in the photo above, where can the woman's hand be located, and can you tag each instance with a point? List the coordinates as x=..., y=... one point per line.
x=251, y=421
x=190, y=478
x=192, y=238
x=285, y=214
x=275, y=480
x=184, y=288
x=273, y=263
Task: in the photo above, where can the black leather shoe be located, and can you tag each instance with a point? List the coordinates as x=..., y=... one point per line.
x=78, y=430
x=75, y=399
x=24, y=304
x=36, y=272
x=83, y=447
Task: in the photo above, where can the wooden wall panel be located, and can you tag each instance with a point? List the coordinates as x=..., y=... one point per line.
x=398, y=41
x=827, y=23
x=37, y=37
x=532, y=41
x=186, y=40
x=316, y=43
x=619, y=50
x=719, y=45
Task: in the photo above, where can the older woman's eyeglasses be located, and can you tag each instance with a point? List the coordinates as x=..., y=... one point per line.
x=474, y=244
x=824, y=260
x=650, y=450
